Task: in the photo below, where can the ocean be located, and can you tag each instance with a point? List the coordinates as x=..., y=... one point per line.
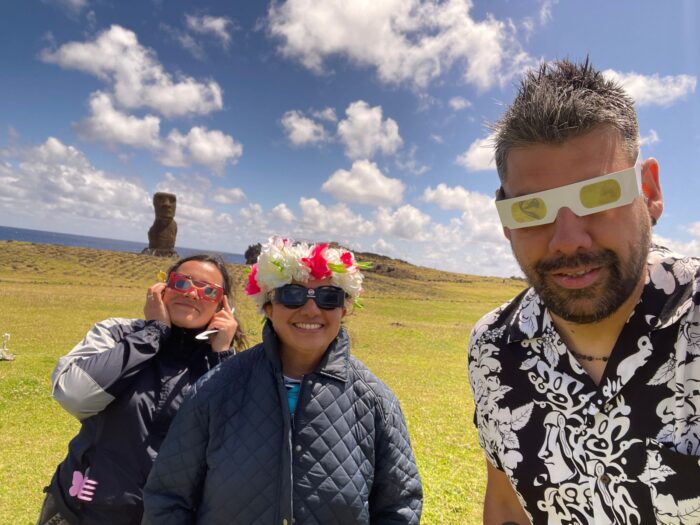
x=42, y=237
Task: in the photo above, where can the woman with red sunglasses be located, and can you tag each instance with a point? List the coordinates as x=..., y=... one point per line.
x=296, y=429
x=125, y=381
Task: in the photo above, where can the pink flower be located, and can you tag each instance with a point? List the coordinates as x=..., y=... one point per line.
x=346, y=259
x=317, y=263
x=252, y=287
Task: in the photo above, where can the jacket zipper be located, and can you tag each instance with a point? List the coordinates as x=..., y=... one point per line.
x=292, y=441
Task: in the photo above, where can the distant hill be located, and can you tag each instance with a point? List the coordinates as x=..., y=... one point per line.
x=42, y=263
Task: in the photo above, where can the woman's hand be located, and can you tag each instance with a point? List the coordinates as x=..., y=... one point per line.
x=154, y=309
x=226, y=324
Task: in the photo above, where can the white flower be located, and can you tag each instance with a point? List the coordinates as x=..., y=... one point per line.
x=281, y=262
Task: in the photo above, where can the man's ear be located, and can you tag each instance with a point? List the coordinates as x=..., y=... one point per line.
x=267, y=309
x=506, y=232
x=651, y=188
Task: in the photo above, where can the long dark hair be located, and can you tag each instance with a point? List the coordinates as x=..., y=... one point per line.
x=240, y=340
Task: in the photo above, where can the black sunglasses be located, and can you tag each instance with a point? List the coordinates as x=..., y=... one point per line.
x=296, y=295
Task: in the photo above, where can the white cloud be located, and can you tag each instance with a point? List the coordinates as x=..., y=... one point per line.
x=459, y=103
x=192, y=190
x=545, y=14
x=326, y=114
x=332, y=221
x=364, y=183
x=253, y=215
x=301, y=130
x=200, y=146
x=108, y=125
x=229, y=195
x=364, y=133
x=407, y=222
x=466, y=250
x=216, y=26
x=479, y=156
x=479, y=220
x=186, y=40
x=454, y=198
x=649, y=139
x=200, y=226
x=282, y=213
x=213, y=149
x=54, y=180
x=410, y=41
x=138, y=79
x=694, y=229
x=528, y=24
x=383, y=247
x=406, y=161
x=437, y=138
x=654, y=90
x=691, y=247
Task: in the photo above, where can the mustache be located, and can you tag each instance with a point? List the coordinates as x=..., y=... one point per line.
x=602, y=258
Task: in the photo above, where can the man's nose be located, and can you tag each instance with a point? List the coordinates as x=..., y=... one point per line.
x=569, y=233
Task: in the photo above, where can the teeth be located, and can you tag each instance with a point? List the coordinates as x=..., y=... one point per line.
x=576, y=274
x=308, y=326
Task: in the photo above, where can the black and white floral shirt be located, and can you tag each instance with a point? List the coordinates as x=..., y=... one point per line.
x=626, y=451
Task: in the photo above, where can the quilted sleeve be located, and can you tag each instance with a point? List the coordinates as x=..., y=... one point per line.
x=173, y=489
x=397, y=493
x=98, y=368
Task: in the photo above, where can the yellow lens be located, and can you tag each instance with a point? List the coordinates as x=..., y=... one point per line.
x=600, y=193
x=528, y=210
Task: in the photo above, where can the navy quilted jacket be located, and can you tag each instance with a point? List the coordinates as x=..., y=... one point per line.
x=235, y=456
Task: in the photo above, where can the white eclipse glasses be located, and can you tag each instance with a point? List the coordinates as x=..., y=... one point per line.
x=583, y=198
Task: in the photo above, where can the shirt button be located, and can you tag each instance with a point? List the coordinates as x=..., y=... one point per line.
x=605, y=479
x=298, y=448
x=590, y=421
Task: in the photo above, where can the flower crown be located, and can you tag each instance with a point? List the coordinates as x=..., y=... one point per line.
x=281, y=261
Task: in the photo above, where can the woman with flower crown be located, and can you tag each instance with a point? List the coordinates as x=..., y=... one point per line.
x=294, y=430
x=124, y=383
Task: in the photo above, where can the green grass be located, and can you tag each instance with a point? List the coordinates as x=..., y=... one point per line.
x=412, y=332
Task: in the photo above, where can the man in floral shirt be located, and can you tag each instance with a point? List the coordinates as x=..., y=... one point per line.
x=587, y=384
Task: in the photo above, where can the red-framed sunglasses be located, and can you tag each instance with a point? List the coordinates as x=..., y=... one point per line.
x=182, y=283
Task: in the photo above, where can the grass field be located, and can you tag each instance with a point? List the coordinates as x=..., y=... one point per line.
x=412, y=333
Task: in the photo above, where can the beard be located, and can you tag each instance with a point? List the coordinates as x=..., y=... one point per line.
x=603, y=297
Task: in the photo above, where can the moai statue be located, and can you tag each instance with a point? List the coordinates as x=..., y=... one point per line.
x=162, y=234
x=5, y=354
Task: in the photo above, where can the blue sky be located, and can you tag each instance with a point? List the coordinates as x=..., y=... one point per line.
x=359, y=121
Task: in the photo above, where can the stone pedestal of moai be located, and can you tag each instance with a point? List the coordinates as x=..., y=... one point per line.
x=162, y=234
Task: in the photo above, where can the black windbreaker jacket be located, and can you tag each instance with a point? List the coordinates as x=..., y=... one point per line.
x=124, y=382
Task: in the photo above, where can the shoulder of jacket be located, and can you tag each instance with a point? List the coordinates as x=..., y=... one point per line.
x=229, y=374
x=120, y=324
x=367, y=382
